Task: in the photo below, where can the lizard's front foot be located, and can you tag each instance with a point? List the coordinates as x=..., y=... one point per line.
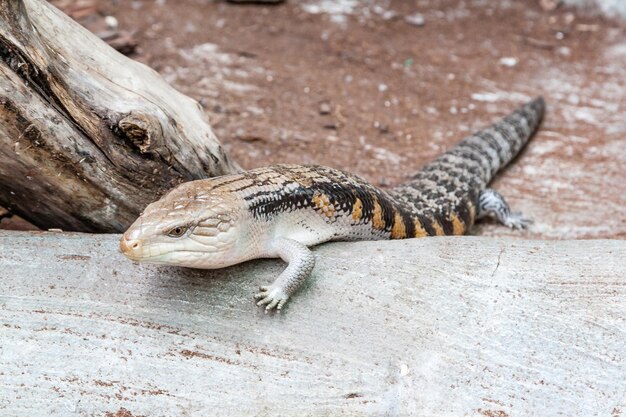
x=300, y=263
x=272, y=296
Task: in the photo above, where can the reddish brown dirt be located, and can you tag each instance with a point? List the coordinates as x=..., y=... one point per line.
x=397, y=95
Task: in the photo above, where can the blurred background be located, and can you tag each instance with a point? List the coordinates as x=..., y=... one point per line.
x=381, y=87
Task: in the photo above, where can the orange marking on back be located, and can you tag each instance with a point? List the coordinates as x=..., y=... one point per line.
x=419, y=229
x=357, y=210
x=438, y=228
x=399, y=228
x=322, y=203
x=377, y=216
x=458, y=227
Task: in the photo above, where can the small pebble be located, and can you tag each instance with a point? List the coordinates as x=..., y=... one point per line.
x=564, y=51
x=325, y=108
x=416, y=19
x=508, y=61
x=111, y=22
x=404, y=370
x=381, y=127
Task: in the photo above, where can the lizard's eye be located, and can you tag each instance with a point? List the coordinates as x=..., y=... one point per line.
x=177, y=231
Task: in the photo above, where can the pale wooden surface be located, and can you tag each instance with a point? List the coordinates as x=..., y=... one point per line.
x=426, y=327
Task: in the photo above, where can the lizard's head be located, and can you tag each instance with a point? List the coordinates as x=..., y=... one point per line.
x=187, y=227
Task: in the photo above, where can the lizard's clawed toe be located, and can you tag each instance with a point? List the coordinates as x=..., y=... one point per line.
x=271, y=297
x=518, y=221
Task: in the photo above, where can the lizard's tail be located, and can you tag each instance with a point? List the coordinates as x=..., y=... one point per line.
x=443, y=195
x=491, y=149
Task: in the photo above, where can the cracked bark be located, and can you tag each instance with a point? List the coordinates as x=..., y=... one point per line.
x=89, y=137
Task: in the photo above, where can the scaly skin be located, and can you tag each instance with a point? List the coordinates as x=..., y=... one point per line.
x=281, y=210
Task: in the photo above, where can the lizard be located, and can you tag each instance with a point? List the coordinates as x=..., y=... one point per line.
x=280, y=211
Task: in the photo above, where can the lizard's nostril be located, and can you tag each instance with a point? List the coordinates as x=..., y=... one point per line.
x=128, y=245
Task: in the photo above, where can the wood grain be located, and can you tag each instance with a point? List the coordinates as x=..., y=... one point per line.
x=89, y=137
x=458, y=326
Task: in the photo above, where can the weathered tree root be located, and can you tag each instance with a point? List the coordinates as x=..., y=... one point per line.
x=88, y=137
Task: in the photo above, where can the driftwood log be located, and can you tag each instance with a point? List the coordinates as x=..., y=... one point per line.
x=456, y=326
x=88, y=137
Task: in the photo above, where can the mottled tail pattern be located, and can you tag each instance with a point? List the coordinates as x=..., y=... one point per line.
x=445, y=193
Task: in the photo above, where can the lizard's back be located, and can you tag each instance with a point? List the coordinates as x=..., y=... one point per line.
x=311, y=204
x=314, y=204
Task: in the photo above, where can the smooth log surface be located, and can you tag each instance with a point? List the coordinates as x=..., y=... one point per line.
x=457, y=326
x=89, y=137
